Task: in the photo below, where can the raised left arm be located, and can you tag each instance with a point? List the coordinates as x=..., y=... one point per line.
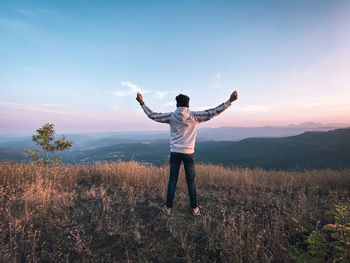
x=206, y=115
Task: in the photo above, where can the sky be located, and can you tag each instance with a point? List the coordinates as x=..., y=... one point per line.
x=79, y=64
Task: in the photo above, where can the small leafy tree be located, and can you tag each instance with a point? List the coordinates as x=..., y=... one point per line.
x=319, y=246
x=44, y=137
x=340, y=233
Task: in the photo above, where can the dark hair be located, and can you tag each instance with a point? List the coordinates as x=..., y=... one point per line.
x=182, y=100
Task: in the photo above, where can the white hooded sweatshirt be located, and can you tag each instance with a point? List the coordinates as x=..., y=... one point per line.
x=183, y=124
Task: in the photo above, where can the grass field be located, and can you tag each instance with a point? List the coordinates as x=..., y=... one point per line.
x=109, y=212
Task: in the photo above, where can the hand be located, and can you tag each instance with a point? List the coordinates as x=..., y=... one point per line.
x=233, y=96
x=139, y=98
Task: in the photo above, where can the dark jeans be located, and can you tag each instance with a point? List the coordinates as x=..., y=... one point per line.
x=175, y=162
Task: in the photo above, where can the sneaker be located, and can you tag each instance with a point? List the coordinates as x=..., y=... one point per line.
x=196, y=211
x=166, y=210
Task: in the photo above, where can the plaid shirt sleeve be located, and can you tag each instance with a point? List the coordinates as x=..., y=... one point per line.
x=206, y=115
x=159, y=117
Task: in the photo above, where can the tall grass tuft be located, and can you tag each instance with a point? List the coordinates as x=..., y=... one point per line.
x=109, y=212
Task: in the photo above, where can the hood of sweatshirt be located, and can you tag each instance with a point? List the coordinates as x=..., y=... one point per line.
x=182, y=114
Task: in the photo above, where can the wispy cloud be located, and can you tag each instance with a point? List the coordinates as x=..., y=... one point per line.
x=172, y=103
x=25, y=12
x=254, y=108
x=46, y=108
x=165, y=107
x=333, y=106
x=43, y=107
x=26, y=17
x=131, y=89
x=31, y=69
x=31, y=13
x=313, y=104
x=13, y=23
x=21, y=22
x=160, y=94
x=45, y=104
x=10, y=104
x=130, y=85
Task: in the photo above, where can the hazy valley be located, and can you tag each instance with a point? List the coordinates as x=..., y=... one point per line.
x=290, y=147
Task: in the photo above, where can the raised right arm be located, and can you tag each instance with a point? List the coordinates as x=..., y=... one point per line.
x=158, y=117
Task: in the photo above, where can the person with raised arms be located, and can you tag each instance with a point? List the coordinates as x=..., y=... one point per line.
x=183, y=130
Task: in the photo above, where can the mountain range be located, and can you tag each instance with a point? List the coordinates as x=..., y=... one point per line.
x=309, y=150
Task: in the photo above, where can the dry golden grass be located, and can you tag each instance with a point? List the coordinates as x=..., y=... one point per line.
x=109, y=212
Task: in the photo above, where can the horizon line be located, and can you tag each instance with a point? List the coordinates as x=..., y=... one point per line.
x=303, y=124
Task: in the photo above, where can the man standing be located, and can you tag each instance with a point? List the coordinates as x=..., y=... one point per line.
x=183, y=131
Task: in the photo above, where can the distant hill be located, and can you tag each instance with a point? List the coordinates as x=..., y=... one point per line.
x=240, y=133
x=305, y=151
x=308, y=150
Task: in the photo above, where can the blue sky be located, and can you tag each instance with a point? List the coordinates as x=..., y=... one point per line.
x=78, y=64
